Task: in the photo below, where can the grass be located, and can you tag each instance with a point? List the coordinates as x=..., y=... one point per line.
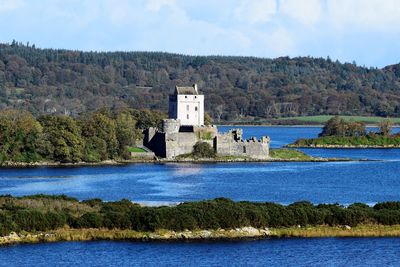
x=289, y=154
x=136, y=149
x=349, y=141
x=68, y=234
x=205, y=135
x=338, y=231
x=324, y=118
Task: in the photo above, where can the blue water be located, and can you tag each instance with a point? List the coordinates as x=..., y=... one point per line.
x=156, y=184
x=343, y=182
x=272, y=252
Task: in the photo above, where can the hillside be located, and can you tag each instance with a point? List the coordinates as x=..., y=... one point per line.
x=72, y=82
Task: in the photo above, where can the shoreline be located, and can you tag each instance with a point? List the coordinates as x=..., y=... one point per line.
x=243, y=233
x=343, y=146
x=12, y=165
x=319, y=125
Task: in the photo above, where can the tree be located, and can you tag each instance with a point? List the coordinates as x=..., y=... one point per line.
x=385, y=127
x=19, y=136
x=337, y=126
x=126, y=132
x=104, y=128
x=62, y=139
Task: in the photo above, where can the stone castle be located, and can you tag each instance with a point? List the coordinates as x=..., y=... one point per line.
x=185, y=127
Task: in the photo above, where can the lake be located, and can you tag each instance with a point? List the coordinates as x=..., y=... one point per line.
x=273, y=252
x=158, y=184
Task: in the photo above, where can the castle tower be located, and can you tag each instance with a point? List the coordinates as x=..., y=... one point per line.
x=187, y=105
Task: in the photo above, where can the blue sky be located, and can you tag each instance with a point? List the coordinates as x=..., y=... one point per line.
x=365, y=31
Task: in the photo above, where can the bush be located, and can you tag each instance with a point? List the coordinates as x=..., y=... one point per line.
x=203, y=150
x=31, y=220
x=17, y=215
x=118, y=220
x=90, y=220
x=6, y=224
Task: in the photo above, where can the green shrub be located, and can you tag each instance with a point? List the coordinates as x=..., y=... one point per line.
x=6, y=224
x=90, y=220
x=203, y=150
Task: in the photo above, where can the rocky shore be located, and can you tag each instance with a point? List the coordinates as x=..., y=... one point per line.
x=160, y=235
x=201, y=235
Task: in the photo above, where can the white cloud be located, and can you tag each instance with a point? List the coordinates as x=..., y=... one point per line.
x=253, y=12
x=280, y=43
x=10, y=5
x=156, y=5
x=382, y=15
x=307, y=12
x=80, y=15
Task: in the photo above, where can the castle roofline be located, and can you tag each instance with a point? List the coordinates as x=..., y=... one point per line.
x=186, y=90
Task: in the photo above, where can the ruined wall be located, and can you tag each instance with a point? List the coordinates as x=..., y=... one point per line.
x=232, y=144
x=175, y=140
x=171, y=125
x=180, y=143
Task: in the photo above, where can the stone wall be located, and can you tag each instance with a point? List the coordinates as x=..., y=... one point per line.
x=172, y=142
x=232, y=144
x=180, y=143
x=143, y=155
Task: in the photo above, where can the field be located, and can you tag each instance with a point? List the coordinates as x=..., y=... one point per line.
x=323, y=118
x=136, y=149
x=289, y=154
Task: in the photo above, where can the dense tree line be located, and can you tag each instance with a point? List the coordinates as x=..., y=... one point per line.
x=48, y=81
x=91, y=137
x=40, y=213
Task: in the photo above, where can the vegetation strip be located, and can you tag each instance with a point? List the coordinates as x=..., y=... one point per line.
x=66, y=234
x=55, y=218
x=340, y=133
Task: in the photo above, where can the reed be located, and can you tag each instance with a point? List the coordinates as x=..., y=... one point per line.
x=337, y=231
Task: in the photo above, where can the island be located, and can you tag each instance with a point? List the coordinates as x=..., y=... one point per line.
x=45, y=218
x=339, y=133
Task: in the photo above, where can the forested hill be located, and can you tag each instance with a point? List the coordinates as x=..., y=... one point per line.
x=71, y=82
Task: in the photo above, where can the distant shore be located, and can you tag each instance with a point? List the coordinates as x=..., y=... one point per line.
x=242, y=233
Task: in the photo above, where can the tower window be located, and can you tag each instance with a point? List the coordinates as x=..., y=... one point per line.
x=187, y=107
x=195, y=96
x=244, y=149
x=185, y=96
x=187, y=116
x=195, y=108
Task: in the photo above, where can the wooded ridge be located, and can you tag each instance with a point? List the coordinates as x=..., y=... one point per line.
x=49, y=81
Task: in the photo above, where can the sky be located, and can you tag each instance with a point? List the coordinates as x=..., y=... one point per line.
x=363, y=31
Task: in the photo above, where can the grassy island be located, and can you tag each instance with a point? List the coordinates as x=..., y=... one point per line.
x=340, y=133
x=368, y=141
x=41, y=218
